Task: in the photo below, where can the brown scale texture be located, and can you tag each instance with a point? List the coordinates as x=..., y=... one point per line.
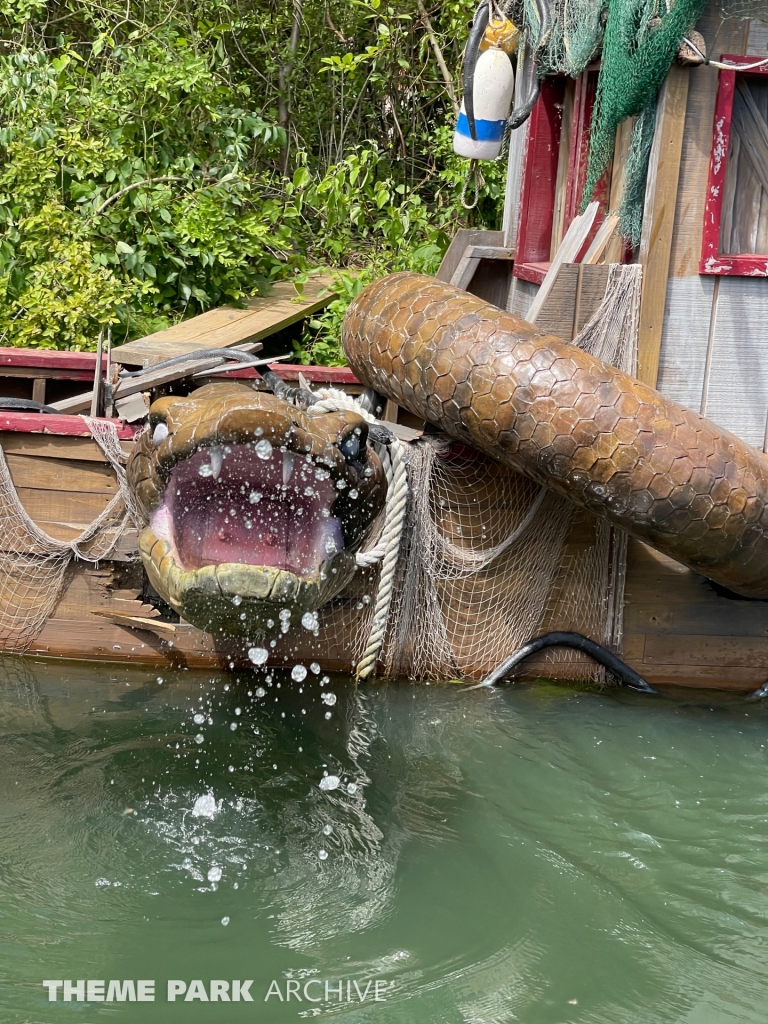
x=585, y=429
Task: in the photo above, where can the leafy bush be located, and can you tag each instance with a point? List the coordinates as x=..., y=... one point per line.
x=156, y=162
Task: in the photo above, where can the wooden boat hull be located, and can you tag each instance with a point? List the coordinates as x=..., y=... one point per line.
x=678, y=630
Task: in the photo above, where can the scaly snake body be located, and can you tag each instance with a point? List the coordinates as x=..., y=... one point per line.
x=585, y=429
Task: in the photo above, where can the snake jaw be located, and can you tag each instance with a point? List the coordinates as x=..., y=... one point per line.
x=253, y=506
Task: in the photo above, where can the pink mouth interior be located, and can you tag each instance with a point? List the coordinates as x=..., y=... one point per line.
x=230, y=505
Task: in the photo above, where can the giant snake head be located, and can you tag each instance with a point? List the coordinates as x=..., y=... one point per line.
x=255, y=507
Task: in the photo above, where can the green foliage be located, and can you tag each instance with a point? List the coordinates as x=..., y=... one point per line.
x=159, y=159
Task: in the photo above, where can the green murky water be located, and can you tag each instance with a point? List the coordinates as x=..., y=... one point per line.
x=535, y=854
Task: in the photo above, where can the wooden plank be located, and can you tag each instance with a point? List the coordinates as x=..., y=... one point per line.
x=558, y=315
x=54, y=446
x=539, y=175
x=599, y=243
x=569, y=249
x=563, y=164
x=227, y=326
x=722, y=35
x=50, y=423
x=455, y=251
x=38, y=390
x=76, y=507
x=49, y=474
x=465, y=269
x=658, y=220
x=738, y=384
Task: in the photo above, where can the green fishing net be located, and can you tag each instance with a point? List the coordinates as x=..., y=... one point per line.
x=640, y=42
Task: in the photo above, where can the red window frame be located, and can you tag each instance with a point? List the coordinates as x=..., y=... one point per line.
x=712, y=260
x=539, y=175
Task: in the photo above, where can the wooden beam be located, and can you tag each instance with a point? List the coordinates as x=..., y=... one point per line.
x=570, y=247
x=659, y=219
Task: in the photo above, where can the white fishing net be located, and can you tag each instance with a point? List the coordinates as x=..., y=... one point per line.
x=33, y=564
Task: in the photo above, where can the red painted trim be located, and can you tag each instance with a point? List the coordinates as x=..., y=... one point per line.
x=46, y=358
x=539, y=177
x=51, y=423
x=290, y=371
x=535, y=272
x=712, y=260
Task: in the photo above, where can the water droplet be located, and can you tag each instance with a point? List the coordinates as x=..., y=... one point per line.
x=309, y=620
x=325, y=680
x=263, y=449
x=237, y=600
x=298, y=673
x=258, y=655
x=323, y=854
x=328, y=698
x=284, y=614
x=327, y=714
x=205, y=806
x=215, y=873
x=159, y=680
x=199, y=738
x=238, y=711
x=225, y=920
x=255, y=496
x=198, y=719
x=314, y=667
x=327, y=829
x=352, y=788
x=329, y=782
x=233, y=726
x=261, y=692
x=353, y=493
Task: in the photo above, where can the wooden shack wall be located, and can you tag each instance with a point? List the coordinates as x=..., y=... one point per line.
x=714, y=356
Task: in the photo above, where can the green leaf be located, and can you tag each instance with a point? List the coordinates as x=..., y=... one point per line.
x=123, y=247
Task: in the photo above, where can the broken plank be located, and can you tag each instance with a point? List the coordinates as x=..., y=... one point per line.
x=227, y=326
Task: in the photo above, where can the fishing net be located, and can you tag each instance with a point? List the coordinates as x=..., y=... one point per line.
x=744, y=9
x=490, y=559
x=33, y=565
x=640, y=42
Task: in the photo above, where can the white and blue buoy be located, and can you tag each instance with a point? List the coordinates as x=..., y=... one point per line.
x=493, y=87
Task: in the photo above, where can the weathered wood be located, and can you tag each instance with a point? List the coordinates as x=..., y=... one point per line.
x=38, y=390
x=463, y=238
x=722, y=35
x=658, y=220
x=49, y=474
x=558, y=315
x=54, y=446
x=599, y=243
x=568, y=251
x=225, y=327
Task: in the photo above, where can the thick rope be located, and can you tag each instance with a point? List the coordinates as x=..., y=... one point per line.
x=387, y=549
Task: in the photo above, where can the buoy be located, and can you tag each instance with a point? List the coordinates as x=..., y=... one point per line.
x=494, y=84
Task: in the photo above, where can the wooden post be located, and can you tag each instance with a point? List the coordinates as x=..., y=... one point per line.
x=659, y=219
x=97, y=375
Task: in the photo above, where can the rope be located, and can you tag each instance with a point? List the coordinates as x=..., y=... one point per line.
x=387, y=549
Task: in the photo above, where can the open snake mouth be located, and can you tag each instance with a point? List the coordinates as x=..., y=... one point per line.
x=245, y=505
x=255, y=508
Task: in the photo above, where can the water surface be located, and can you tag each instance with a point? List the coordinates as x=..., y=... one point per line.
x=534, y=854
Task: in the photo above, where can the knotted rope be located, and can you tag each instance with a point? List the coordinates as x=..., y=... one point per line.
x=387, y=547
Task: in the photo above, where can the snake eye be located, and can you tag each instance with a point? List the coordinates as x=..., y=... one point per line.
x=354, y=443
x=350, y=447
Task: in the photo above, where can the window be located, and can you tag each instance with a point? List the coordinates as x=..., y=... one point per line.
x=735, y=235
x=554, y=171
